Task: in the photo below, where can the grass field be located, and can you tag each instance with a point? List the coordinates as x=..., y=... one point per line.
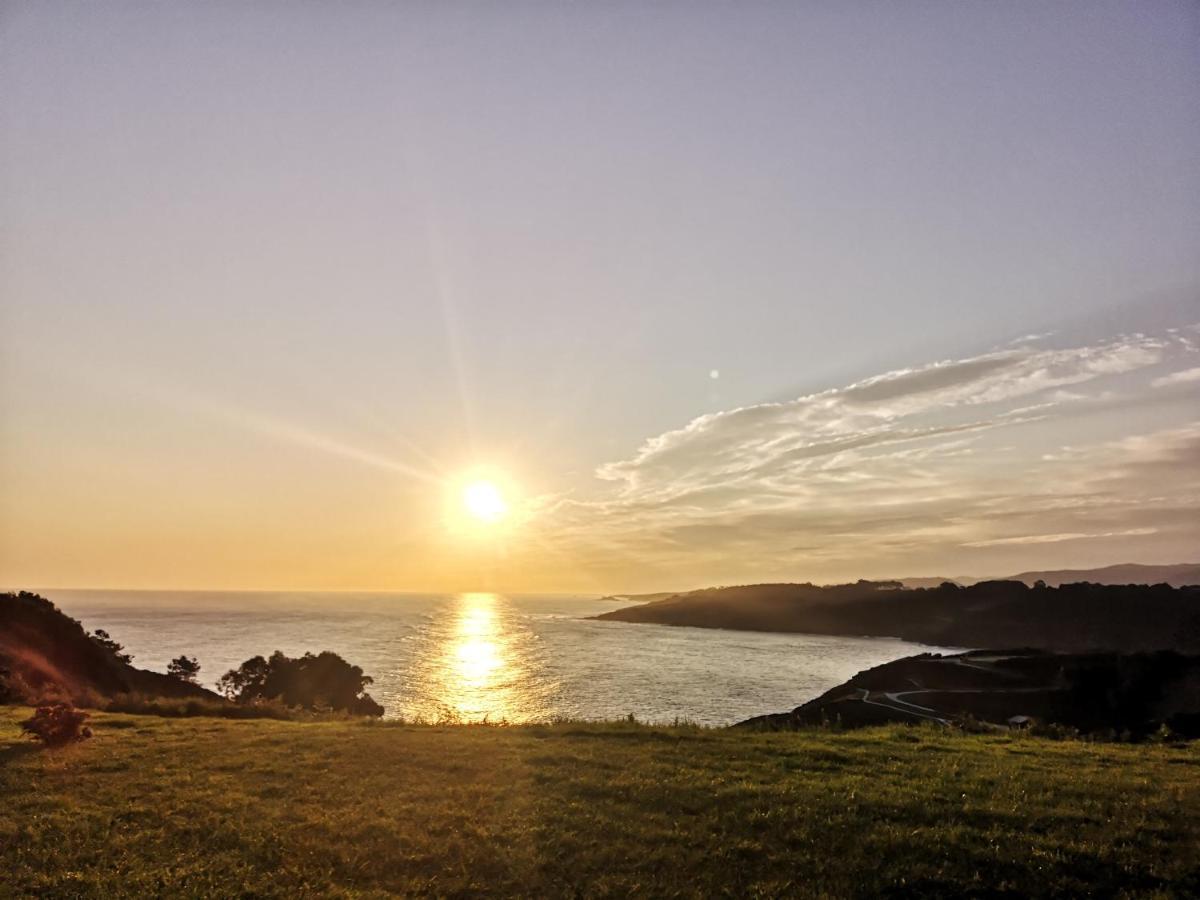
x=216, y=807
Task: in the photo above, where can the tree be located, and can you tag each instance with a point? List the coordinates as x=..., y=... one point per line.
x=312, y=681
x=185, y=668
x=101, y=637
x=245, y=682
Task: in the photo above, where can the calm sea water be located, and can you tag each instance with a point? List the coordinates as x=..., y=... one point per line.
x=493, y=656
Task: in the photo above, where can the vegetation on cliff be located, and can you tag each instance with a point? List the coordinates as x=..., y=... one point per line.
x=48, y=657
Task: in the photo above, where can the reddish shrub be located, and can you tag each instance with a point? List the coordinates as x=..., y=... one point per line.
x=57, y=724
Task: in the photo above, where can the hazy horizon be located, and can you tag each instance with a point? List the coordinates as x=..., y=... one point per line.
x=595, y=298
x=121, y=591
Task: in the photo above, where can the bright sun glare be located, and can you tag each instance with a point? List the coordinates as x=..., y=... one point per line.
x=483, y=500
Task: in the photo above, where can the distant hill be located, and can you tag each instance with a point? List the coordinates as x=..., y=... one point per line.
x=1072, y=617
x=637, y=598
x=1092, y=692
x=1125, y=573
x=936, y=581
x=46, y=654
x=1179, y=575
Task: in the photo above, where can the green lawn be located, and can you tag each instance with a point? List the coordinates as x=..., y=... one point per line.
x=217, y=807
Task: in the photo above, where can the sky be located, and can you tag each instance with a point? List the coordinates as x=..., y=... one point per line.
x=711, y=293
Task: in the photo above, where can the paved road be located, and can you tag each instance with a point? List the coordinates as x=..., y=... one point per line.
x=894, y=700
x=890, y=701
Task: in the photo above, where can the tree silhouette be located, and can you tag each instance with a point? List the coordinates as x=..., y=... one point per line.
x=185, y=668
x=246, y=681
x=312, y=681
x=101, y=637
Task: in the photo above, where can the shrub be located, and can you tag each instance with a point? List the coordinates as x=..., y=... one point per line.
x=57, y=724
x=1056, y=731
x=184, y=708
x=12, y=687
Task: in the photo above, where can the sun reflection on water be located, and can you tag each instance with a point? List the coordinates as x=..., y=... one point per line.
x=479, y=669
x=476, y=658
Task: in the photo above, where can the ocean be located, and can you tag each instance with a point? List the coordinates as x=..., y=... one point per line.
x=493, y=657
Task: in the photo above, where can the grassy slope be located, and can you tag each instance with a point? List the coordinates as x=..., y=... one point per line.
x=209, y=806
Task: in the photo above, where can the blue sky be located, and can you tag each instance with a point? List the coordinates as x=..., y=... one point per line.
x=276, y=274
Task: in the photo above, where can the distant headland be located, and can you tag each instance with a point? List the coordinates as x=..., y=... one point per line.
x=1070, y=617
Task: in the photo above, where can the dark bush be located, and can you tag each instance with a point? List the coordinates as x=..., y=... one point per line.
x=57, y=724
x=8, y=687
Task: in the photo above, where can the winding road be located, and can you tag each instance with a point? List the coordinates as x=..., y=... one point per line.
x=891, y=700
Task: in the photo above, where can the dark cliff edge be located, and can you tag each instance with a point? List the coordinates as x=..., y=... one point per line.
x=45, y=654
x=1133, y=694
x=1072, y=617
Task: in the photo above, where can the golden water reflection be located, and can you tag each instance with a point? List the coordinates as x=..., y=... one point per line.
x=480, y=669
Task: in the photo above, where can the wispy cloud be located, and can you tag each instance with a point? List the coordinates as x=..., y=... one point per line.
x=756, y=438
x=1059, y=538
x=974, y=455
x=1185, y=376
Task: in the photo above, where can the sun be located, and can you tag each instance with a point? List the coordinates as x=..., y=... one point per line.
x=483, y=501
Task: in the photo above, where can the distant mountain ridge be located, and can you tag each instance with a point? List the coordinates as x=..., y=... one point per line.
x=1178, y=575
x=1123, y=573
